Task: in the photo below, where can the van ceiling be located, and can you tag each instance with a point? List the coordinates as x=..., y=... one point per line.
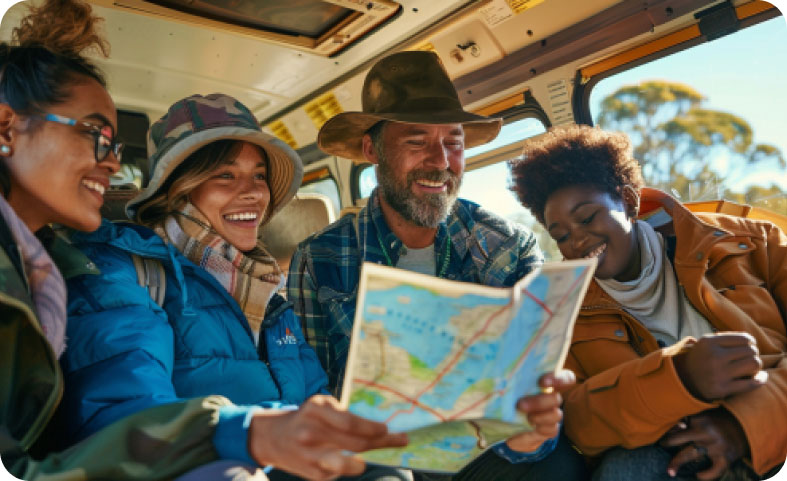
x=156, y=61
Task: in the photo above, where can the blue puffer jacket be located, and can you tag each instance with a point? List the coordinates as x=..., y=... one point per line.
x=125, y=353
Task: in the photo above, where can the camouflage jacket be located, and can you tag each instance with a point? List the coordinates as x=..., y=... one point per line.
x=158, y=443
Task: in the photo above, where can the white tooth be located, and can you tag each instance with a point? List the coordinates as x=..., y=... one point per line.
x=93, y=186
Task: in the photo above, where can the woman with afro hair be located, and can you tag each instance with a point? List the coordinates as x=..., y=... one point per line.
x=679, y=347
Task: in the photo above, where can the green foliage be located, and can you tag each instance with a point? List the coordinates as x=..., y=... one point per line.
x=691, y=151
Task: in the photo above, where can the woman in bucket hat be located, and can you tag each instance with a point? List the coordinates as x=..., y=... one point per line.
x=220, y=328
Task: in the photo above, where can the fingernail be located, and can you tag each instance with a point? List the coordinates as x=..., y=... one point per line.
x=671, y=472
x=330, y=463
x=548, y=382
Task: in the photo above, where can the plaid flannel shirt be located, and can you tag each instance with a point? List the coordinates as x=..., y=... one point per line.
x=325, y=269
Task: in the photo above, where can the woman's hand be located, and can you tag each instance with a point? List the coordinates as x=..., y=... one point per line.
x=720, y=365
x=313, y=441
x=543, y=411
x=715, y=433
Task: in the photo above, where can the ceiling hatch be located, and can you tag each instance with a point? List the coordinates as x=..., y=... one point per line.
x=324, y=27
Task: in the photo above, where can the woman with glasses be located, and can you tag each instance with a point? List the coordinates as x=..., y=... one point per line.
x=57, y=152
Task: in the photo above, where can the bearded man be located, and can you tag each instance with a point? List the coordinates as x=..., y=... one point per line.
x=414, y=130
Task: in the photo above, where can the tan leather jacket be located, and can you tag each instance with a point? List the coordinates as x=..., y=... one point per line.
x=734, y=271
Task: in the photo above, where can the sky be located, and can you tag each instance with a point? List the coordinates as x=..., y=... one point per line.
x=744, y=74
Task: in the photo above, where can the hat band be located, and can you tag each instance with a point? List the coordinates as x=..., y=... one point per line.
x=423, y=104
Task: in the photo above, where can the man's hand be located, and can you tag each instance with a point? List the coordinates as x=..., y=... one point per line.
x=720, y=365
x=715, y=433
x=543, y=411
x=312, y=442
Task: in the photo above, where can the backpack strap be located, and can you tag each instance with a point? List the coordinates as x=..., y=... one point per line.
x=151, y=275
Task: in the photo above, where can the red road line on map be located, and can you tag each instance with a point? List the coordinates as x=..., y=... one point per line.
x=537, y=301
x=461, y=351
x=485, y=398
x=415, y=401
x=401, y=395
x=538, y=334
x=451, y=364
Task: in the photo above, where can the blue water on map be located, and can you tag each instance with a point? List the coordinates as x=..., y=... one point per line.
x=456, y=443
x=421, y=326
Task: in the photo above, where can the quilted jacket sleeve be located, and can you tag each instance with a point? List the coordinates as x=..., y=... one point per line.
x=120, y=354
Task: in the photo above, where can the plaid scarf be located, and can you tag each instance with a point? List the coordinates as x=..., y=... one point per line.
x=47, y=288
x=251, y=278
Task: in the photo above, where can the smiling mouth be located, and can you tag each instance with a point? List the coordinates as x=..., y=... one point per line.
x=596, y=252
x=242, y=217
x=94, y=186
x=430, y=183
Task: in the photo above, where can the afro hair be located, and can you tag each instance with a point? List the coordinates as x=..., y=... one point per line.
x=573, y=155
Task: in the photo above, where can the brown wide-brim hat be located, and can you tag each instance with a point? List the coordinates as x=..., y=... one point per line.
x=410, y=87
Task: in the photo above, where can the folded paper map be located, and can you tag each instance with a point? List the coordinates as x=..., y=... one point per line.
x=446, y=361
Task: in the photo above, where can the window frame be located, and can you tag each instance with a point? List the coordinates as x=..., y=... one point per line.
x=583, y=87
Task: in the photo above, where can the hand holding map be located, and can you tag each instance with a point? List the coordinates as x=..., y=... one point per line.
x=448, y=361
x=542, y=411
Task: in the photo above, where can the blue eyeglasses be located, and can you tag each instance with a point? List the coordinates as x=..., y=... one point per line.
x=104, y=136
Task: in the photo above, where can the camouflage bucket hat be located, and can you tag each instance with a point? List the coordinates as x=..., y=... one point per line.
x=196, y=121
x=411, y=87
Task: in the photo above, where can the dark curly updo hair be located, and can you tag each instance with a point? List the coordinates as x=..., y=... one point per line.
x=574, y=155
x=45, y=58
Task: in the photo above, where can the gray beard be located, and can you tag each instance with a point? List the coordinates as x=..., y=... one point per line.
x=428, y=211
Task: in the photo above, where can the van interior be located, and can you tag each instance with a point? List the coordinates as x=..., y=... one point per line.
x=535, y=63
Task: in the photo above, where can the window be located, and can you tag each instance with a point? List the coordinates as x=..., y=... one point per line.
x=488, y=185
x=326, y=187
x=707, y=123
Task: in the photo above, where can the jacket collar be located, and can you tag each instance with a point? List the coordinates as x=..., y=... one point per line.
x=697, y=236
x=666, y=215
x=126, y=236
x=69, y=260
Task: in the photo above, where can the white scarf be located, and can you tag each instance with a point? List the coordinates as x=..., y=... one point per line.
x=655, y=298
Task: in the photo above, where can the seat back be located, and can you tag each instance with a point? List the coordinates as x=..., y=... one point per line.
x=115, y=200
x=304, y=215
x=740, y=210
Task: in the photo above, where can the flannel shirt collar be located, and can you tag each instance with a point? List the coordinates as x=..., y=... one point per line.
x=459, y=225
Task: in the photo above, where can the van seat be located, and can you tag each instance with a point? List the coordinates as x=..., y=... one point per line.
x=304, y=215
x=115, y=200
x=740, y=210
